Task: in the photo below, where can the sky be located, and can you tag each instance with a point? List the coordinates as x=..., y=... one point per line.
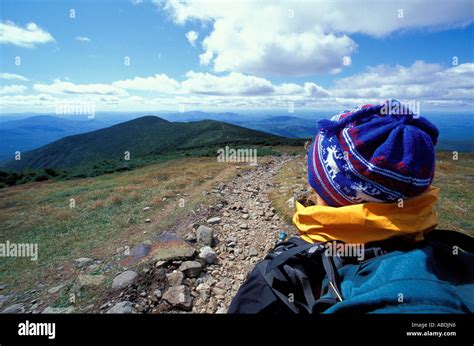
x=144, y=55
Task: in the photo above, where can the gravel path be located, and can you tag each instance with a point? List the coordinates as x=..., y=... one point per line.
x=248, y=229
x=241, y=228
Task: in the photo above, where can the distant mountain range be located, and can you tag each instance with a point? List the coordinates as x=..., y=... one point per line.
x=456, y=130
x=30, y=133
x=149, y=135
x=286, y=126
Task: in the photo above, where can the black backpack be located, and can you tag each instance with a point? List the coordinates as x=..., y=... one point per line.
x=298, y=277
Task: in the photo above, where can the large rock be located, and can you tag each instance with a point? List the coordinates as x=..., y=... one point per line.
x=125, y=307
x=175, y=278
x=170, y=247
x=204, y=236
x=15, y=309
x=179, y=297
x=191, y=269
x=137, y=254
x=207, y=254
x=124, y=280
x=88, y=281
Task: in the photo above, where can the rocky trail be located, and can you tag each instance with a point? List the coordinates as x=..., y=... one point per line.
x=200, y=271
x=197, y=265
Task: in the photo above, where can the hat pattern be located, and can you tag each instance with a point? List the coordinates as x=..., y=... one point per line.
x=366, y=155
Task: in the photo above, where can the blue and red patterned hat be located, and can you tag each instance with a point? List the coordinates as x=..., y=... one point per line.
x=375, y=153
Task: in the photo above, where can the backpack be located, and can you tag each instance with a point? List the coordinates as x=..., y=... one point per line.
x=392, y=276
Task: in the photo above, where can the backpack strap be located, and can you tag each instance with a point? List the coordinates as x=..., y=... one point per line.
x=275, y=266
x=298, y=280
x=286, y=255
x=449, y=239
x=306, y=287
x=269, y=280
x=295, y=274
x=331, y=265
x=333, y=277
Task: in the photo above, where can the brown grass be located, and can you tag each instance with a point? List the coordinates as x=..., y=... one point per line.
x=108, y=213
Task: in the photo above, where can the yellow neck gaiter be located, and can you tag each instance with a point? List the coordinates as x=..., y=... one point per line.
x=366, y=222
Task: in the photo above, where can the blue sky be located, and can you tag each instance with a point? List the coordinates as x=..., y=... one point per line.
x=266, y=54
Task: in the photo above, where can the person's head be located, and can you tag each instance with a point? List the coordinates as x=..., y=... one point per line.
x=375, y=153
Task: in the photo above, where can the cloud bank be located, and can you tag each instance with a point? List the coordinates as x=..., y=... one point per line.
x=293, y=38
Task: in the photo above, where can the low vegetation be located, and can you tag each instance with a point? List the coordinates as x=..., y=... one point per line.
x=92, y=217
x=13, y=178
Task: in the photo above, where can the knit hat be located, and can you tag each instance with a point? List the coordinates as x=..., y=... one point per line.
x=375, y=153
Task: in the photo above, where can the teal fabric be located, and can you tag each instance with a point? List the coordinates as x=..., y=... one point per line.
x=429, y=279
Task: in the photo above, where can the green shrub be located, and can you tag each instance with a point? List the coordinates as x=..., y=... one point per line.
x=42, y=177
x=51, y=172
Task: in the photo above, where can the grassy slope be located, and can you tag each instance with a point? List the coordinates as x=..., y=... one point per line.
x=454, y=178
x=108, y=212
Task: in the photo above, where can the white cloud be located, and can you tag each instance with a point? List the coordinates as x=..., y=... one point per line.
x=12, y=89
x=158, y=83
x=304, y=37
x=315, y=90
x=28, y=37
x=60, y=87
x=289, y=89
x=16, y=102
x=136, y=2
x=82, y=39
x=10, y=76
x=419, y=71
x=192, y=36
x=309, y=89
x=232, y=84
x=431, y=84
x=420, y=81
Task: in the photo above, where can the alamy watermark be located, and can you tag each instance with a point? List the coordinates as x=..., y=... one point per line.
x=9, y=249
x=237, y=155
x=28, y=328
x=76, y=108
x=406, y=108
x=338, y=249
